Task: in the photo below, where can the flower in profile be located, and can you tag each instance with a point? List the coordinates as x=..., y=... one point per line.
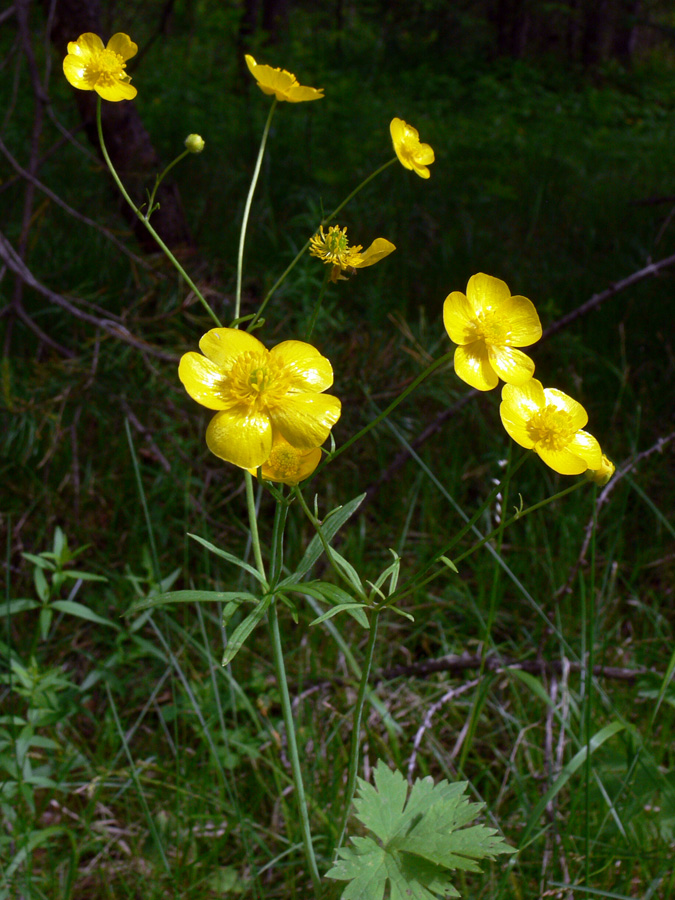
x=488, y=324
x=603, y=473
x=411, y=153
x=287, y=464
x=334, y=249
x=282, y=84
x=549, y=422
x=259, y=394
x=90, y=66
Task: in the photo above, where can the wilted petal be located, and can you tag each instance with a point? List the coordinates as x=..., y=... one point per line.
x=512, y=366
x=241, y=437
x=380, y=248
x=309, y=370
x=472, y=364
x=306, y=419
x=223, y=345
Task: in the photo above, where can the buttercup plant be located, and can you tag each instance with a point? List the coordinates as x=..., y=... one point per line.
x=272, y=417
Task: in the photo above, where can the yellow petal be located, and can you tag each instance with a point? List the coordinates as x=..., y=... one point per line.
x=603, y=473
x=243, y=438
x=565, y=462
x=86, y=46
x=518, y=406
x=120, y=90
x=306, y=419
x=587, y=448
x=280, y=83
x=576, y=412
x=223, y=345
x=472, y=364
x=309, y=370
x=121, y=43
x=486, y=292
x=459, y=318
x=76, y=71
x=380, y=248
x=203, y=380
x=523, y=319
x=287, y=464
x=298, y=93
x=512, y=366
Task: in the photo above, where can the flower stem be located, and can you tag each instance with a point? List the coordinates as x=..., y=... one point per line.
x=356, y=727
x=247, y=210
x=160, y=179
x=299, y=254
x=253, y=524
x=184, y=275
x=436, y=364
x=317, y=306
x=280, y=672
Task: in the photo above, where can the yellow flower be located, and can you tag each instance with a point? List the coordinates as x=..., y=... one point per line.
x=288, y=464
x=90, y=66
x=284, y=85
x=411, y=154
x=259, y=394
x=488, y=324
x=549, y=422
x=603, y=473
x=334, y=249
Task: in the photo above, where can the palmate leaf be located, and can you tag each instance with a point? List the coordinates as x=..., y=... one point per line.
x=421, y=839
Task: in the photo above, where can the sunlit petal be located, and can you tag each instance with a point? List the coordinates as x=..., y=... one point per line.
x=380, y=248
x=241, y=437
x=587, y=448
x=472, y=364
x=307, y=368
x=560, y=400
x=281, y=84
x=121, y=43
x=485, y=292
x=203, y=380
x=306, y=419
x=563, y=461
x=223, y=345
x=523, y=319
x=512, y=366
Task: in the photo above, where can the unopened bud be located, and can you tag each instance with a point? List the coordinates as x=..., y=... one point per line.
x=194, y=143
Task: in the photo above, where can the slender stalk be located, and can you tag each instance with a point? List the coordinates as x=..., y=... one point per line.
x=300, y=253
x=280, y=672
x=590, y=657
x=184, y=275
x=356, y=728
x=317, y=306
x=160, y=179
x=247, y=210
x=436, y=364
x=253, y=523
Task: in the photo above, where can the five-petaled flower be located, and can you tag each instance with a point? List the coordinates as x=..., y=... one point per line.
x=90, y=66
x=549, y=422
x=259, y=394
x=282, y=84
x=488, y=324
x=411, y=153
x=287, y=464
x=334, y=249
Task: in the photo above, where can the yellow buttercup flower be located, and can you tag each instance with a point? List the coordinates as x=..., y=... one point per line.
x=549, y=422
x=280, y=83
x=259, y=394
x=90, y=66
x=334, y=249
x=488, y=324
x=603, y=473
x=287, y=464
x=411, y=153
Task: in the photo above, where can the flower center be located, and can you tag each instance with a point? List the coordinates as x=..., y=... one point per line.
x=491, y=327
x=107, y=68
x=333, y=247
x=255, y=381
x=284, y=461
x=551, y=428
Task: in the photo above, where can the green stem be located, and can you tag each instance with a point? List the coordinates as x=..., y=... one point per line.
x=590, y=657
x=356, y=728
x=436, y=364
x=160, y=179
x=247, y=210
x=280, y=672
x=184, y=275
x=253, y=523
x=300, y=253
x=317, y=307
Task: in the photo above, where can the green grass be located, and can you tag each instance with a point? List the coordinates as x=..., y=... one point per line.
x=154, y=771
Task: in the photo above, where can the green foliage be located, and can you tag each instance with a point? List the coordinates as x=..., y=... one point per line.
x=421, y=839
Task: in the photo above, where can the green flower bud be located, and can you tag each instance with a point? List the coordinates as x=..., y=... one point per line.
x=194, y=143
